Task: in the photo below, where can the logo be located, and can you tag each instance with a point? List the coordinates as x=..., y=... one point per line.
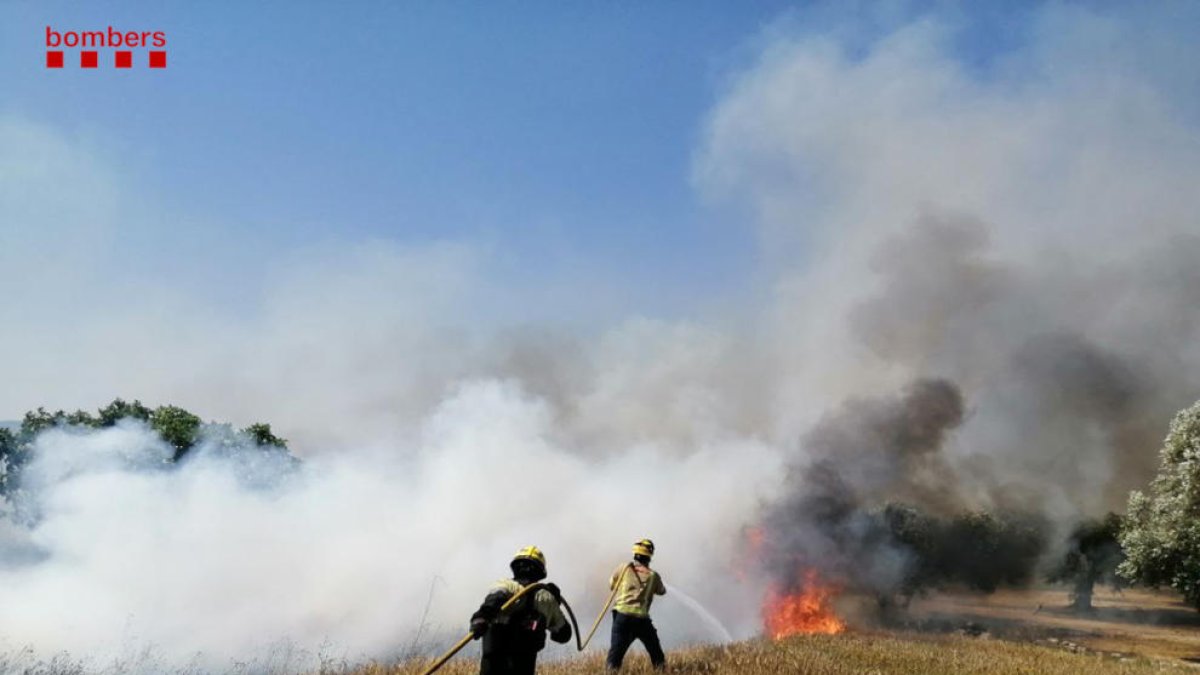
x=120, y=47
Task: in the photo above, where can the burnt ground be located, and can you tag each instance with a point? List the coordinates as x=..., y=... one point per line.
x=1131, y=622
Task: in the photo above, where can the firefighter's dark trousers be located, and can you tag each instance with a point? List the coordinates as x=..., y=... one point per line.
x=626, y=629
x=507, y=654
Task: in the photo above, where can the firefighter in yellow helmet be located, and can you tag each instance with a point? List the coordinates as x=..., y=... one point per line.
x=512, y=640
x=636, y=585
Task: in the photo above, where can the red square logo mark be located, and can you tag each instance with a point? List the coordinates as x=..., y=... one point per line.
x=88, y=59
x=158, y=59
x=123, y=59
x=54, y=59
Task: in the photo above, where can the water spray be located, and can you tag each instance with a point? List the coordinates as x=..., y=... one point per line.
x=700, y=611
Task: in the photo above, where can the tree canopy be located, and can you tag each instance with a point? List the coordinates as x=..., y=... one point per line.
x=1093, y=556
x=1161, y=537
x=978, y=550
x=178, y=427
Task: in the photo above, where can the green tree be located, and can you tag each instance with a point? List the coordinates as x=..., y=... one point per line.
x=1161, y=537
x=37, y=421
x=1093, y=555
x=261, y=435
x=9, y=447
x=80, y=418
x=980, y=550
x=118, y=410
x=985, y=551
x=916, y=533
x=177, y=426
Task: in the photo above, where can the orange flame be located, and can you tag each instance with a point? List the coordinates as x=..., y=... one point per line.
x=807, y=610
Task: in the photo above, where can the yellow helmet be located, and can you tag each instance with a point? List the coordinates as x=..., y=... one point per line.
x=531, y=553
x=644, y=547
x=529, y=564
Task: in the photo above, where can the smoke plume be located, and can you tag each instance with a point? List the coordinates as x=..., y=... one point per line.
x=982, y=292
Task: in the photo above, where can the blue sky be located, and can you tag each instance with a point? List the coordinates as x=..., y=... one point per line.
x=560, y=134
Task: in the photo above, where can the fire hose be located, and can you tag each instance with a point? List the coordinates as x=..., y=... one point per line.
x=580, y=644
x=604, y=610
x=441, y=660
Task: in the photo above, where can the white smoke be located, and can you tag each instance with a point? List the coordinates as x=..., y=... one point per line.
x=206, y=566
x=1022, y=229
x=438, y=436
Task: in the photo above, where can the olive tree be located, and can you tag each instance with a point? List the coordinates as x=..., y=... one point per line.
x=1093, y=555
x=1161, y=537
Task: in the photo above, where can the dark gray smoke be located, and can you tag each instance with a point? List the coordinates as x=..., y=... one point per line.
x=858, y=459
x=887, y=448
x=1040, y=415
x=875, y=507
x=1073, y=371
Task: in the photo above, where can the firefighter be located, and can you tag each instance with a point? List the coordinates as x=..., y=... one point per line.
x=511, y=641
x=636, y=585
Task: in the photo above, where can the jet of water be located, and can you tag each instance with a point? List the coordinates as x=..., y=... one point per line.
x=694, y=605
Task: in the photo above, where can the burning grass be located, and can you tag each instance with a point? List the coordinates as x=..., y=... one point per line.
x=805, y=609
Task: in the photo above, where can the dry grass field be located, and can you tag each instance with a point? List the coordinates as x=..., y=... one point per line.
x=855, y=653
x=1006, y=632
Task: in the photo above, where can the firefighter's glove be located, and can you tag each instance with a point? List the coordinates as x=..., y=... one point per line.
x=478, y=628
x=553, y=590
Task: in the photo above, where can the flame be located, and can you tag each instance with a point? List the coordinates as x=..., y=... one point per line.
x=803, y=611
